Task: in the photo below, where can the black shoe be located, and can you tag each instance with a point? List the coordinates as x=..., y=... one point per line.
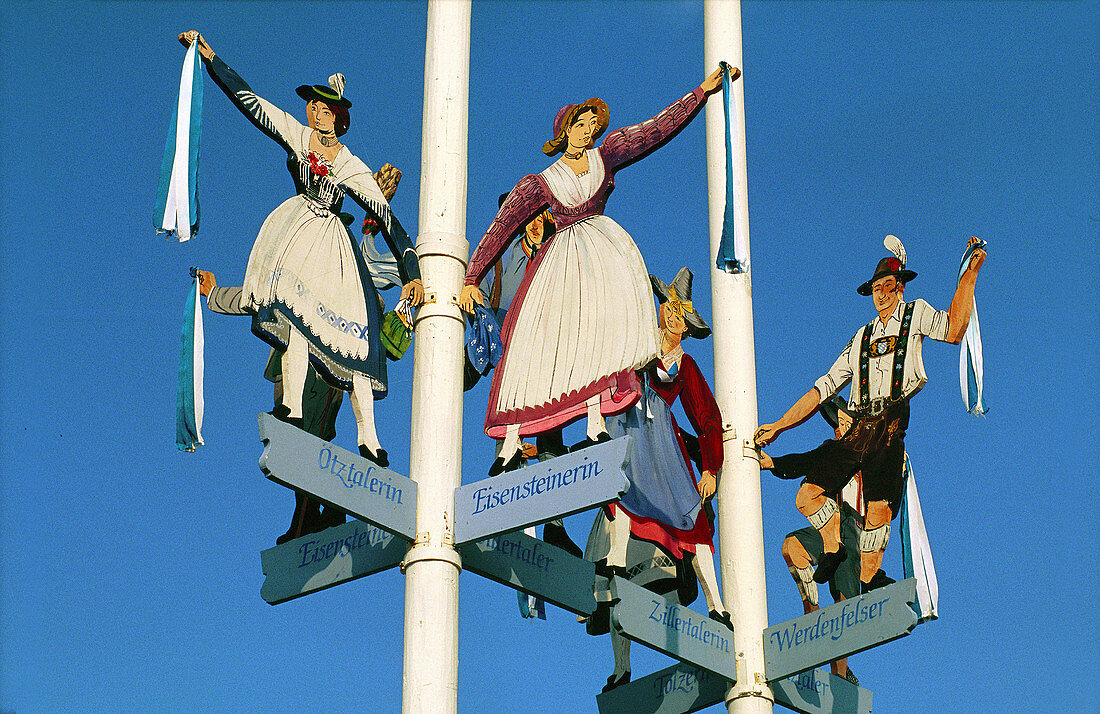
x=282, y=413
x=556, y=535
x=723, y=617
x=828, y=563
x=599, y=622
x=333, y=516
x=551, y=444
x=851, y=677
x=500, y=466
x=612, y=682
x=381, y=458
x=879, y=580
x=305, y=520
x=601, y=439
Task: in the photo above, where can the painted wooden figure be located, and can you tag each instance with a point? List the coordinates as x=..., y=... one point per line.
x=884, y=365
x=804, y=548
x=306, y=284
x=674, y=376
x=579, y=325
x=320, y=400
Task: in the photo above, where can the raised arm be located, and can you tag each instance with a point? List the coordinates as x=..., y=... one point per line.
x=958, y=315
x=625, y=146
x=268, y=118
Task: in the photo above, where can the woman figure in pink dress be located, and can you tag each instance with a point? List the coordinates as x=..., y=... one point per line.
x=581, y=323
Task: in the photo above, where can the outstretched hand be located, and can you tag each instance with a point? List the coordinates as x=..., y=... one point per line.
x=413, y=291
x=714, y=82
x=206, y=282
x=765, y=435
x=707, y=485
x=977, y=257
x=191, y=36
x=469, y=297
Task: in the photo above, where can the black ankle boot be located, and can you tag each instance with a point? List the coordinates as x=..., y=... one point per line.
x=304, y=520
x=381, y=458
x=556, y=535
x=828, y=563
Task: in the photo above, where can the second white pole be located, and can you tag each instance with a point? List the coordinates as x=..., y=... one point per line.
x=740, y=524
x=432, y=565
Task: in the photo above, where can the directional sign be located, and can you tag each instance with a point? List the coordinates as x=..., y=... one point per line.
x=677, y=631
x=686, y=688
x=321, y=560
x=679, y=689
x=534, y=567
x=541, y=492
x=818, y=692
x=839, y=630
x=304, y=462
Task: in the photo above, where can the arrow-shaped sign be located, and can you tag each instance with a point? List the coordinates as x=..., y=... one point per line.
x=333, y=556
x=684, y=688
x=677, y=631
x=534, y=567
x=335, y=476
x=541, y=492
x=839, y=630
x=818, y=692
x=679, y=689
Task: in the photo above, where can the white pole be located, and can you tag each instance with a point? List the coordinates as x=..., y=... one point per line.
x=740, y=526
x=431, y=567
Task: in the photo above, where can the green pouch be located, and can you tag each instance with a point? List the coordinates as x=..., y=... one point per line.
x=396, y=337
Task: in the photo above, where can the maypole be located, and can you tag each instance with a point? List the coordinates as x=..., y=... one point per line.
x=740, y=524
x=432, y=565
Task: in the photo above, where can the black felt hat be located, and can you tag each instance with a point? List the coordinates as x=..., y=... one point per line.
x=679, y=291
x=885, y=268
x=332, y=94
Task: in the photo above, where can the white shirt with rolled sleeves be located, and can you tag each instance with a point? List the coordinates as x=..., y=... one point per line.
x=927, y=322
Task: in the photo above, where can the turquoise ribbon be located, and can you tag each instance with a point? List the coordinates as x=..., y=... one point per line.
x=731, y=252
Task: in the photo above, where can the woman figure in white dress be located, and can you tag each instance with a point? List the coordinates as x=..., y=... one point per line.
x=306, y=283
x=582, y=321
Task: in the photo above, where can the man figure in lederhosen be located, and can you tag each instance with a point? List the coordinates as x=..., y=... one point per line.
x=883, y=363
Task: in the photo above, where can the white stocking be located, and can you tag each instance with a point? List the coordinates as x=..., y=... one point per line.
x=620, y=538
x=620, y=647
x=295, y=364
x=596, y=423
x=364, y=413
x=510, y=444
x=704, y=570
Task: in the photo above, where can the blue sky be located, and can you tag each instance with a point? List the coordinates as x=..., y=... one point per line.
x=129, y=576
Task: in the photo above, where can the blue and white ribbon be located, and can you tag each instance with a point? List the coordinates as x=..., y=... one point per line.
x=531, y=607
x=970, y=355
x=189, y=401
x=177, y=208
x=916, y=554
x=733, y=253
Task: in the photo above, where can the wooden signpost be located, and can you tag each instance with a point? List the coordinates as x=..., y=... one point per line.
x=541, y=492
x=534, y=567
x=684, y=688
x=321, y=560
x=818, y=692
x=839, y=630
x=679, y=632
x=338, y=477
x=679, y=689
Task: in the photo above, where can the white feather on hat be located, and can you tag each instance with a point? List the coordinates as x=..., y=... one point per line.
x=894, y=246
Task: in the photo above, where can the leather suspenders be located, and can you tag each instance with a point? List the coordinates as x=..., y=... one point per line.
x=899, y=345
